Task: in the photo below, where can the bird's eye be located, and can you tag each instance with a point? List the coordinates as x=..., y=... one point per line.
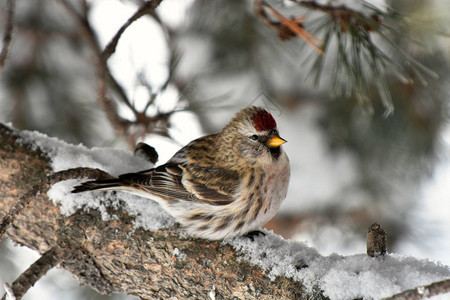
x=254, y=137
x=274, y=131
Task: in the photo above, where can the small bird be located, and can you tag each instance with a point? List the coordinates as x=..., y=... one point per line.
x=221, y=185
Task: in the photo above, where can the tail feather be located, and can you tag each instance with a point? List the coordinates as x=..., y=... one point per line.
x=104, y=184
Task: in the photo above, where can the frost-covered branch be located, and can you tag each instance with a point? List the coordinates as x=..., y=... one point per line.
x=42, y=187
x=421, y=292
x=109, y=247
x=115, y=242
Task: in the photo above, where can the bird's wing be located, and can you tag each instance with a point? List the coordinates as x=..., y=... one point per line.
x=164, y=181
x=211, y=184
x=191, y=175
x=208, y=184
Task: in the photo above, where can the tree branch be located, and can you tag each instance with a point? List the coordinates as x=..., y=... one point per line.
x=35, y=272
x=288, y=27
x=7, y=36
x=142, y=123
x=42, y=187
x=434, y=289
x=115, y=256
x=103, y=73
x=147, y=8
x=345, y=16
x=112, y=256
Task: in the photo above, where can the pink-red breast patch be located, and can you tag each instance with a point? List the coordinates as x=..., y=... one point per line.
x=264, y=121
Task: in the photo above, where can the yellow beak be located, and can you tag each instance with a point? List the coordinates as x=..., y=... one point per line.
x=275, y=141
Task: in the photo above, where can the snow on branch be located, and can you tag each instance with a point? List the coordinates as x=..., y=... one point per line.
x=434, y=289
x=143, y=250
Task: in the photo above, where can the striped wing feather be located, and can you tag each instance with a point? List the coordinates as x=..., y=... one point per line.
x=211, y=184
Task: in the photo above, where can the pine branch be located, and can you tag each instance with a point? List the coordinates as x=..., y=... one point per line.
x=288, y=28
x=365, y=51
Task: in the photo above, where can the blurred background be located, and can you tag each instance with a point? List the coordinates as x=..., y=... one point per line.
x=375, y=153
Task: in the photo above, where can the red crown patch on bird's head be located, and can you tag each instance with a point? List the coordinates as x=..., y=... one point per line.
x=264, y=121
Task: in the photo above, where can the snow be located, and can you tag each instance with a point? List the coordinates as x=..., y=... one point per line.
x=179, y=254
x=148, y=214
x=9, y=292
x=65, y=156
x=339, y=277
x=212, y=293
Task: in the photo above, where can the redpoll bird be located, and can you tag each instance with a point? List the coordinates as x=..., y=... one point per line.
x=221, y=185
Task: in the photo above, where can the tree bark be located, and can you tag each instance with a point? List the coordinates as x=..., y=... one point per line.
x=112, y=256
